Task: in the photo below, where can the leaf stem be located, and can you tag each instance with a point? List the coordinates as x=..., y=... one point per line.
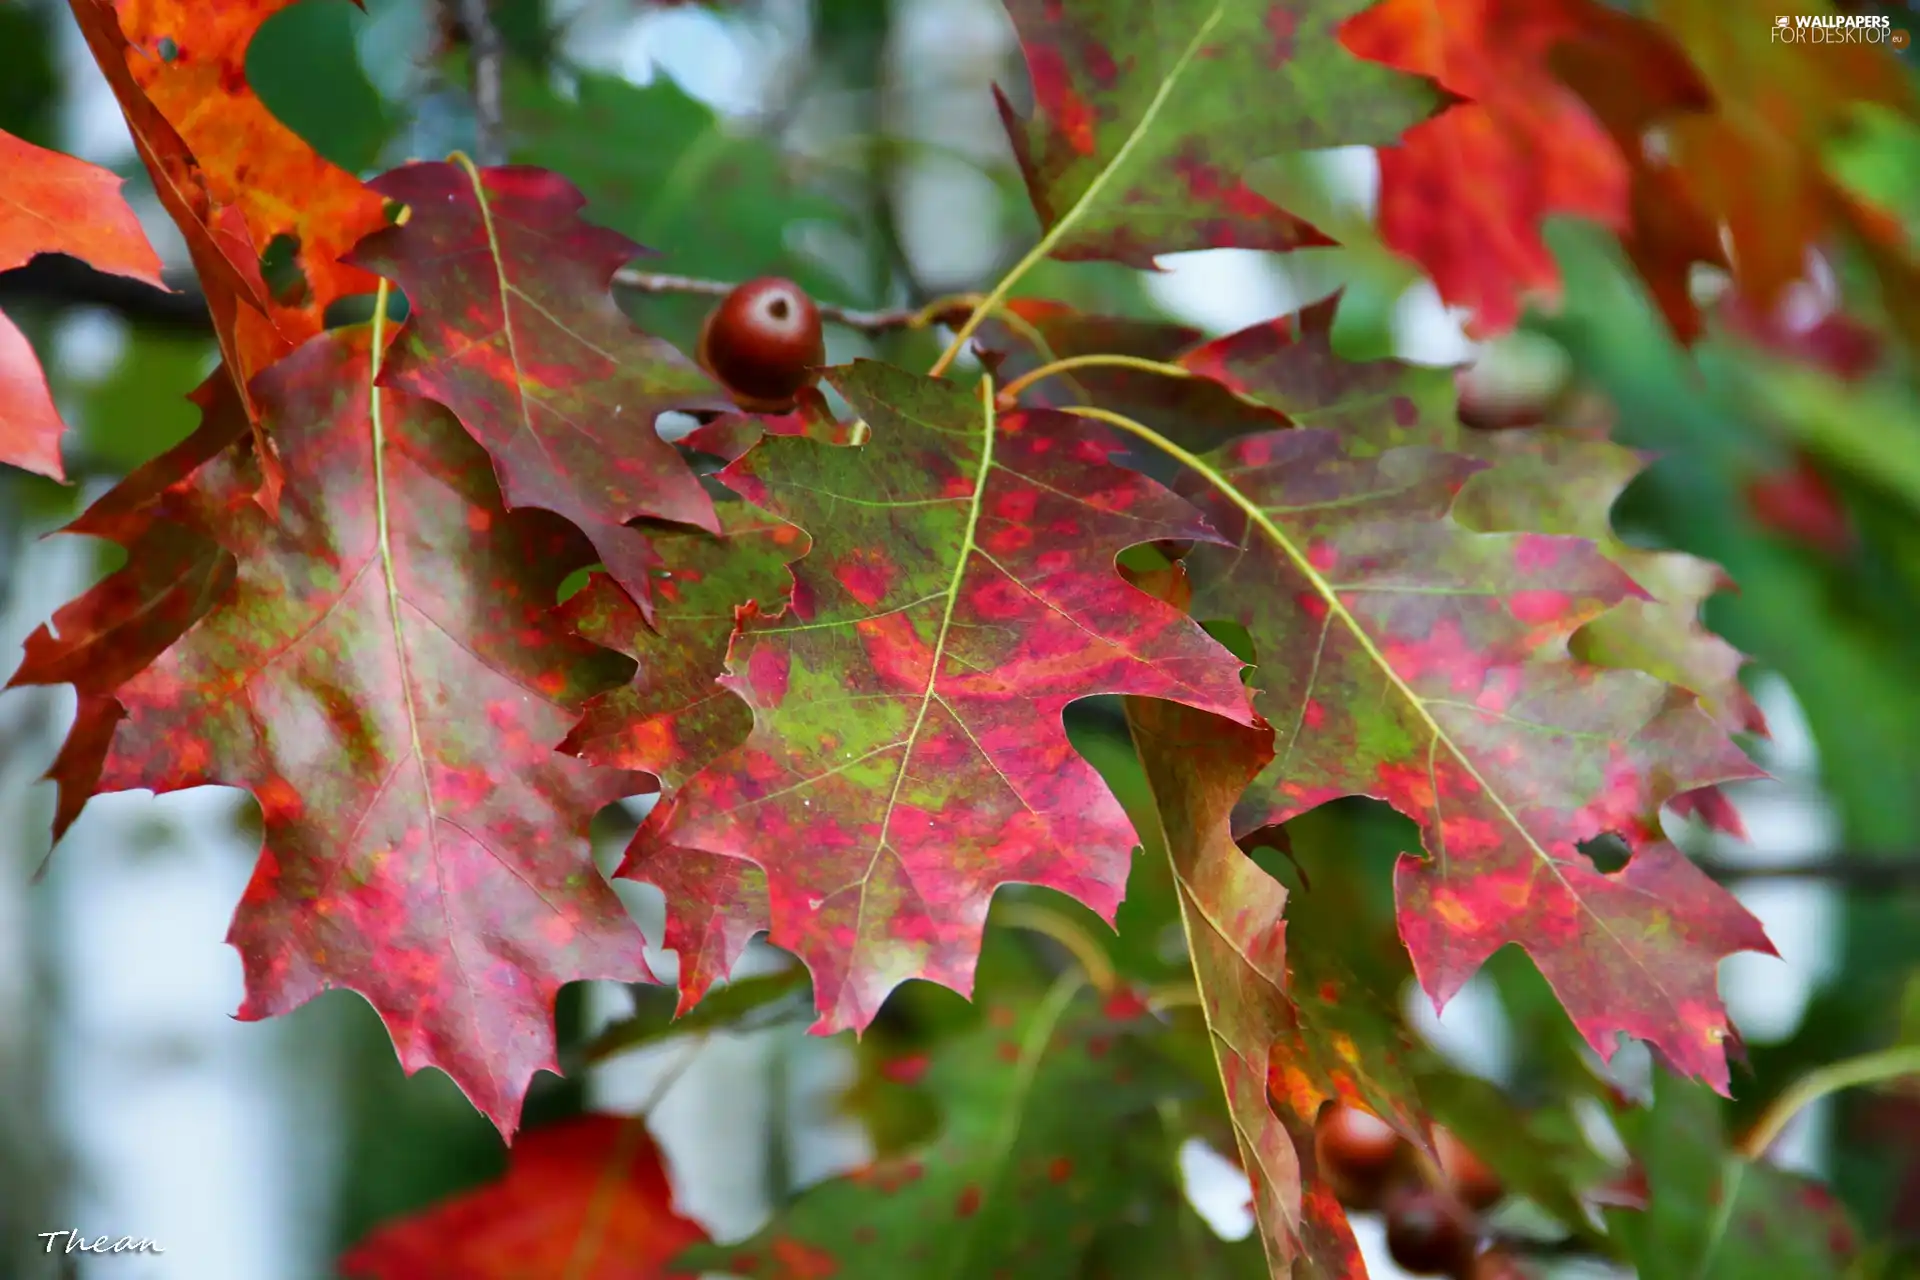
x=1011, y=392
x=1068, y=220
x=1083, y=946
x=1871, y=1068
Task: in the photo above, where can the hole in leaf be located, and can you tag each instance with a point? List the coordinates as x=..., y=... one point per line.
x=1607, y=852
x=342, y=313
x=1237, y=639
x=576, y=581
x=280, y=268
x=168, y=49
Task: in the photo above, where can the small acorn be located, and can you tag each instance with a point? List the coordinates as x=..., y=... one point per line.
x=764, y=345
x=1429, y=1232
x=1357, y=1152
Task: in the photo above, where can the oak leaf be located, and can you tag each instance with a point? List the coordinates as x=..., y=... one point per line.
x=1277, y=1035
x=586, y=1198
x=1711, y=1214
x=190, y=61
x=1401, y=656
x=53, y=203
x=1141, y=135
x=1465, y=193
x=514, y=329
x=384, y=674
x=907, y=756
x=1543, y=480
x=1047, y=1147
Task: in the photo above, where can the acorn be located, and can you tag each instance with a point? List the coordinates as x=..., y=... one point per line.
x=763, y=343
x=1357, y=1153
x=1429, y=1232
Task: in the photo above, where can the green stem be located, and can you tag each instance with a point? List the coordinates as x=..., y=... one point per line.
x=1871, y=1068
x=1011, y=392
x=1071, y=218
x=1082, y=945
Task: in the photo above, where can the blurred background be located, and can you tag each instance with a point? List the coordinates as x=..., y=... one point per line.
x=853, y=145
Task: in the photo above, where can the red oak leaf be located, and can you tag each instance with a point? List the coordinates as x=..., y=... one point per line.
x=1199, y=412
x=1465, y=194
x=190, y=60
x=586, y=1198
x=224, y=253
x=1544, y=480
x=385, y=676
x=1275, y=1036
x=908, y=756
x=515, y=329
x=1289, y=366
x=51, y=203
x=1141, y=134
x=1404, y=657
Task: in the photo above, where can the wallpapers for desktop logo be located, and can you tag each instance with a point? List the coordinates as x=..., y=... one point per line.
x=1813, y=28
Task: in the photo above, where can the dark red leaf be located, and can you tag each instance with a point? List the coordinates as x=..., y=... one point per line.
x=908, y=755
x=515, y=329
x=387, y=679
x=1403, y=657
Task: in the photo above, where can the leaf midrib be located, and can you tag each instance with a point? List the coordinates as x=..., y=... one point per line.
x=927, y=694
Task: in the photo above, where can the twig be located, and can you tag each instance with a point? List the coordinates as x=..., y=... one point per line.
x=1872, y=1068
x=55, y=280
x=1854, y=871
x=52, y=280
x=939, y=311
x=483, y=38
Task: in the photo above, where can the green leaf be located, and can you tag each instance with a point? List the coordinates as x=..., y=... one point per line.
x=1711, y=1215
x=1142, y=130
x=1048, y=1142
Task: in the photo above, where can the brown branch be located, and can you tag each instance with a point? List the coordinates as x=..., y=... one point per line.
x=489, y=56
x=57, y=281
x=53, y=280
x=1864, y=872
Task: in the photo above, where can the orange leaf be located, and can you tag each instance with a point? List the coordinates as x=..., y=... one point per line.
x=586, y=1198
x=231, y=177
x=52, y=203
x=1465, y=194
x=190, y=58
